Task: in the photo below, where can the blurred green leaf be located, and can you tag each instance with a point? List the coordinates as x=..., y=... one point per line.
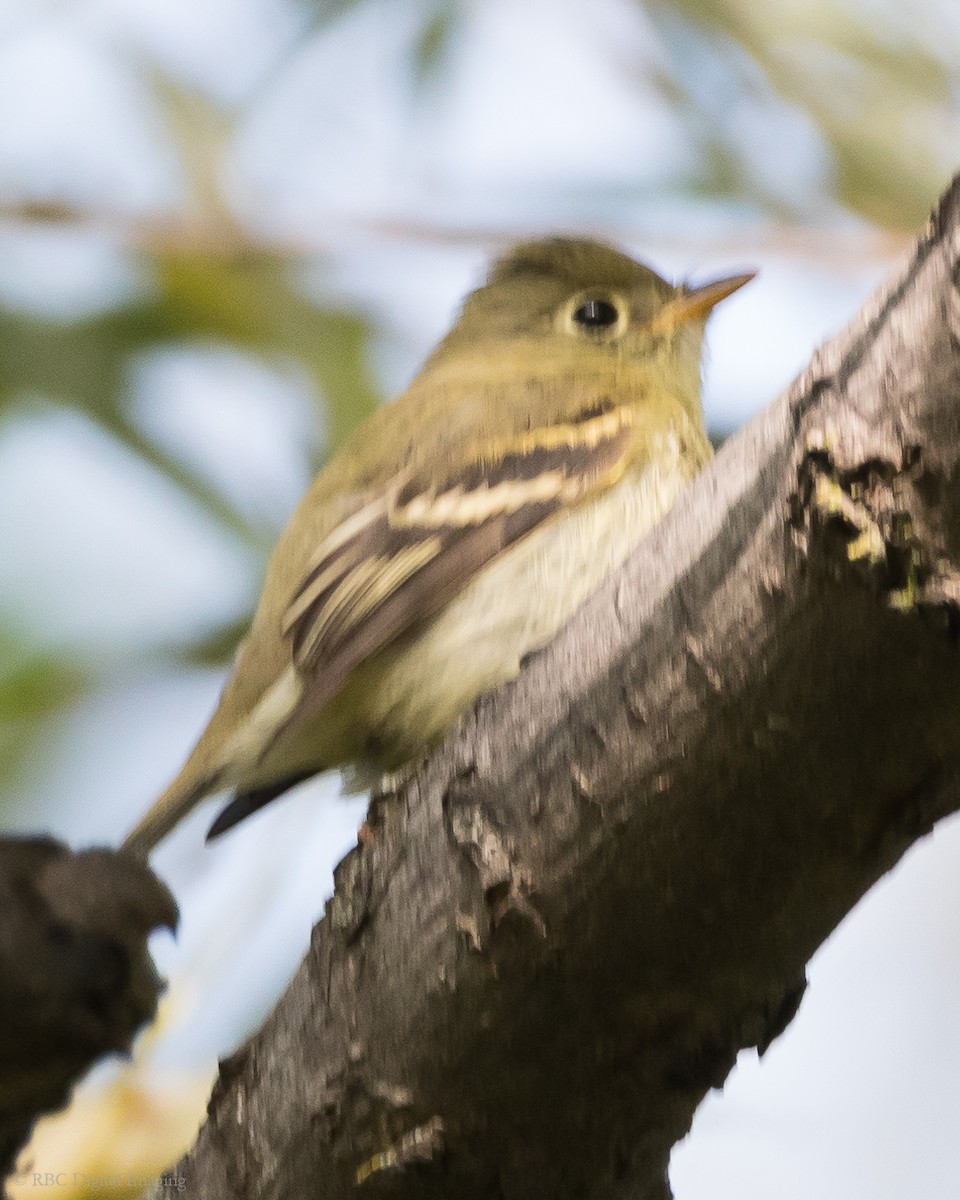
x=38, y=684
x=433, y=39
x=82, y=361
x=35, y=684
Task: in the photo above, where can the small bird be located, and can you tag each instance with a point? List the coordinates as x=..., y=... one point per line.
x=462, y=525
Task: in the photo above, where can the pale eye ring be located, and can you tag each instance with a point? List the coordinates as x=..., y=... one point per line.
x=595, y=315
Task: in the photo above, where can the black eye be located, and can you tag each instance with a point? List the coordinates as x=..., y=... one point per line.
x=596, y=314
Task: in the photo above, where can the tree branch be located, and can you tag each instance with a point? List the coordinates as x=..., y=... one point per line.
x=610, y=879
x=76, y=980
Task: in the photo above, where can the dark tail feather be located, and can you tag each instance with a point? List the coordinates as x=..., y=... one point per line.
x=246, y=803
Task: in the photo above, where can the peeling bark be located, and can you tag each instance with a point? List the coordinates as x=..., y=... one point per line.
x=610, y=879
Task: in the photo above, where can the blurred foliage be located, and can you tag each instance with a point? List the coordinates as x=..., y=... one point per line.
x=878, y=96
x=35, y=685
x=245, y=298
x=434, y=38
x=248, y=299
x=880, y=91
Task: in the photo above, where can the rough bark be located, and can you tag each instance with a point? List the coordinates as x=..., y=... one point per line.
x=610, y=879
x=76, y=981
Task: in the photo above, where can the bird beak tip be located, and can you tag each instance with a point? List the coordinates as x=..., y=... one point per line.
x=696, y=304
x=701, y=300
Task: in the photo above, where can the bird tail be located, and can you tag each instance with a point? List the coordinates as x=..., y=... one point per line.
x=167, y=810
x=224, y=757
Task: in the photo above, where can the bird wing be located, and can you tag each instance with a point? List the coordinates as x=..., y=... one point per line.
x=397, y=561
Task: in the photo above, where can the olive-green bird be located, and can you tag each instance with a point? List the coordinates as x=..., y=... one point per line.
x=462, y=525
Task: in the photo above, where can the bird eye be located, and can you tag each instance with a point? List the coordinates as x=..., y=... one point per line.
x=596, y=314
